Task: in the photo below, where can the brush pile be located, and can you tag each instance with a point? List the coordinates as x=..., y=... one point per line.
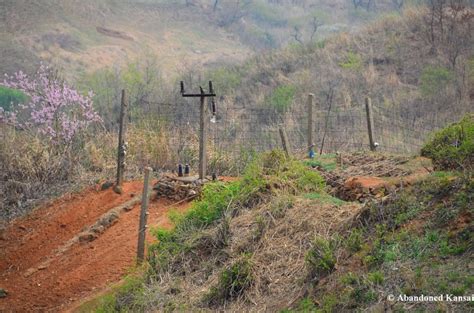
x=358, y=175
x=178, y=188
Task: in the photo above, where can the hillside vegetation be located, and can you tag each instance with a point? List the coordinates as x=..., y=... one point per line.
x=276, y=241
x=347, y=230
x=419, y=79
x=417, y=75
x=82, y=36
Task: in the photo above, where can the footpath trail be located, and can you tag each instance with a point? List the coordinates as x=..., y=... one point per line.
x=38, y=278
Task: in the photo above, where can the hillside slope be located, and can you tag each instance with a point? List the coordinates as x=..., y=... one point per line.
x=81, y=36
x=418, y=77
x=49, y=260
x=276, y=242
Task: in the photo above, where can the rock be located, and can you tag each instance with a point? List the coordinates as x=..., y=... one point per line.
x=3, y=293
x=109, y=219
x=106, y=185
x=364, y=183
x=118, y=189
x=362, y=187
x=87, y=237
x=30, y=272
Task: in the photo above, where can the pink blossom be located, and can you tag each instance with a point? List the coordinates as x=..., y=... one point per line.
x=56, y=109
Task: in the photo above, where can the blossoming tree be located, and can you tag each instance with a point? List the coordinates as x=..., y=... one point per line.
x=55, y=109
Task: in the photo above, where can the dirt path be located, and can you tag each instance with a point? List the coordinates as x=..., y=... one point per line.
x=85, y=268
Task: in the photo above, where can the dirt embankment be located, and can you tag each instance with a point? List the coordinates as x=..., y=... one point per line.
x=42, y=272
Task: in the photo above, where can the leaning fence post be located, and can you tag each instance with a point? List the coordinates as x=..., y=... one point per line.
x=370, y=122
x=143, y=217
x=121, y=151
x=310, y=124
x=284, y=142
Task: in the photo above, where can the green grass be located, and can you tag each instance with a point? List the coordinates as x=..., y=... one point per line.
x=232, y=281
x=267, y=176
x=321, y=258
x=9, y=98
x=324, y=198
x=403, y=233
x=324, y=161
x=352, y=61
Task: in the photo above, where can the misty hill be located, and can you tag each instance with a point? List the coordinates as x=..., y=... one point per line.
x=82, y=36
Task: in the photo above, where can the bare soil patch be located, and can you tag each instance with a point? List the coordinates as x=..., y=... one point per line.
x=85, y=268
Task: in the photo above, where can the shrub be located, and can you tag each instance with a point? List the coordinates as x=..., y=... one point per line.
x=226, y=79
x=433, y=79
x=233, y=281
x=354, y=241
x=282, y=97
x=321, y=258
x=56, y=110
x=453, y=146
x=376, y=277
x=267, y=14
x=353, y=61
x=10, y=98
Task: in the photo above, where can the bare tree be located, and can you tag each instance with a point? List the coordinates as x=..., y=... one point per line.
x=398, y=4
x=370, y=4
x=435, y=20
x=356, y=3
x=232, y=11
x=315, y=24
x=457, y=37
x=297, y=34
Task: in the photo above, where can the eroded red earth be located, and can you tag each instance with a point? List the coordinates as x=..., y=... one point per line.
x=83, y=269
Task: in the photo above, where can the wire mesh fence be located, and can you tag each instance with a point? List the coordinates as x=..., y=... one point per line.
x=236, y=133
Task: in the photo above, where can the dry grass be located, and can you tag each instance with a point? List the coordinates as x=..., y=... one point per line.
x=275, y=237
x=35, y=170
x=29, y=168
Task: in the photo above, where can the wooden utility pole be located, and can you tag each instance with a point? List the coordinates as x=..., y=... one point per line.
x=202, y=125
x=202, y=137
x=370, y=122
x=143, y=216
x=122, y=146
x=310, y=122
x=284, y=141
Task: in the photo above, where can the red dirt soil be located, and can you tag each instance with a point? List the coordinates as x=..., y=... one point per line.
x=84, y=269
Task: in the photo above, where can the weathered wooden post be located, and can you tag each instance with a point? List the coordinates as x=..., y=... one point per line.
x=310, y=124
x=370, y=122
x=122, y=145
x=143, y=216
x=202, y=137
x=284, y=141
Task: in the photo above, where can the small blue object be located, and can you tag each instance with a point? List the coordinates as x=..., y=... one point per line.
x=180, y=170
x=311, y=154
